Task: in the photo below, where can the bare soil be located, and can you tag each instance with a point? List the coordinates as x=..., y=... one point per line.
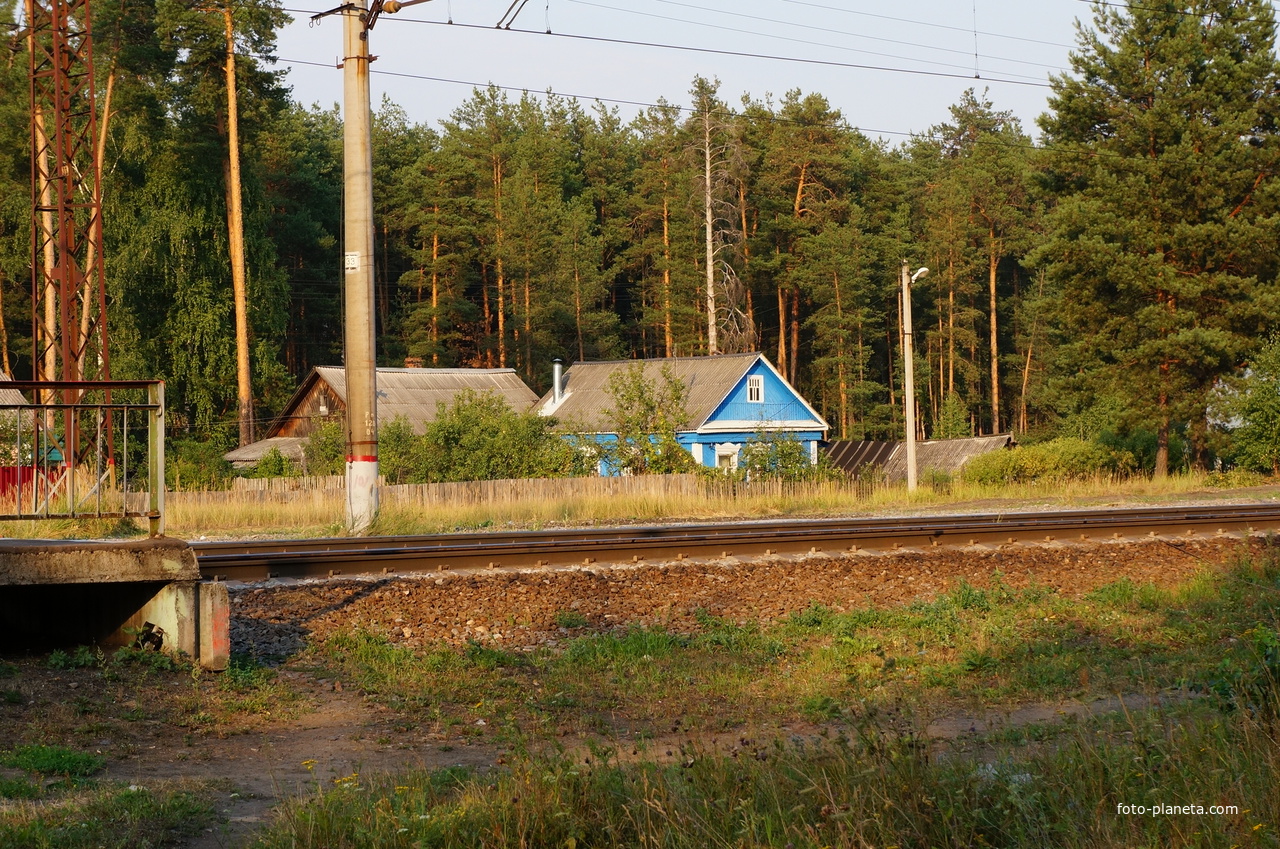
x=144, y=725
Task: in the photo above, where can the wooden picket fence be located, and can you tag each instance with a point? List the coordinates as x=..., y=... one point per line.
x=544, y=490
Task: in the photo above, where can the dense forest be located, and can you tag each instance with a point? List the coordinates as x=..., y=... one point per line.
x=1112, y=276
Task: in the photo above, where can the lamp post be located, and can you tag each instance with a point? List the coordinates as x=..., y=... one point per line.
x=908, y=364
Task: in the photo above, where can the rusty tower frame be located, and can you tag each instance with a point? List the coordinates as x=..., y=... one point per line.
x=68, y=292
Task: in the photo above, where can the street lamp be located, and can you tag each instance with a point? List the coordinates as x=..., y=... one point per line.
x=908, y=363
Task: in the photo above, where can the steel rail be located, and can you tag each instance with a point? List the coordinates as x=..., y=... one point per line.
x=258, y=560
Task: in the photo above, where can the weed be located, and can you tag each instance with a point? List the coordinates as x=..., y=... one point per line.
x=18, y=788
x=118, y=816
x=820, y=708
x=570, y=619
x=814, y=616
x=150, y=659
x=484, y=657
x=52, y=760
x=7, y=670
x=81, y=657
x=972, y=660
x=12, y=697
x=967, y=597
x=869, y=789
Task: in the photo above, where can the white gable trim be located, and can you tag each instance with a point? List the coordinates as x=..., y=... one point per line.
x=822, y=423
x=749, y=425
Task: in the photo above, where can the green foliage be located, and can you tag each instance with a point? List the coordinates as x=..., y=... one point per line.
x=1163, y=286
x=769, y=455
x=570, y=619
x=194, y=465
x=1252, y=406
x=1249, y=677
x=479, y=437
x=273, y=464
x=53, y=760
x=647, y=413
x=81, y=657
x=953, y=421
x=1061, y=459
x=325, y=451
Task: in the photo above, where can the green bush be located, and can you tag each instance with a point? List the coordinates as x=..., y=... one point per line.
x=325, y=452
x=193, y=465
x=1065, y=458
x=273, y=465
x=775, y=456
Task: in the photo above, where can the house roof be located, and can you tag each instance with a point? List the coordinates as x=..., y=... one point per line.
x=415, y=393
x=10, y=396
x=709, y=380
x=290, y=447
x=944, y=455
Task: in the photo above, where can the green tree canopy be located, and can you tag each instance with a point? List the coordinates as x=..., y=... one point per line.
x=1162, y=247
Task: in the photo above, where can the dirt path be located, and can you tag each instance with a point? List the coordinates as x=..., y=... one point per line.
x=330, y=733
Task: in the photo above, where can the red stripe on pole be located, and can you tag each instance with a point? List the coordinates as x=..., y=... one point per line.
x=361, y=458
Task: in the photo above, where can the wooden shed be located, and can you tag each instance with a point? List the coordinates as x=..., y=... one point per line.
x=414, y=394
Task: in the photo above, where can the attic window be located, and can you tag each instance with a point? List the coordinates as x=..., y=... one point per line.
x=755, y=389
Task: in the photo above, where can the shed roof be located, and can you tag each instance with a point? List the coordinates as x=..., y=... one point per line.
x=290, y=447
x=415, y=393
x=944, y=455
x=709, y=381
x=10, y=396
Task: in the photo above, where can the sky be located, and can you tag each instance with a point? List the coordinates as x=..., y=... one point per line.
x=891, y=68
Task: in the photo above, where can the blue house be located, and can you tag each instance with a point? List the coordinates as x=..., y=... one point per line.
x=730, y=399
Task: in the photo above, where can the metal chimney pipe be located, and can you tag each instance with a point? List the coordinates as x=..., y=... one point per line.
x=557, y=389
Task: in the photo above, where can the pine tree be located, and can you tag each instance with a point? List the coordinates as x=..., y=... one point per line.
x=1162, y=246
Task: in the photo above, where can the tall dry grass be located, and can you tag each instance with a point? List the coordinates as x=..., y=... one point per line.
x=319, y=512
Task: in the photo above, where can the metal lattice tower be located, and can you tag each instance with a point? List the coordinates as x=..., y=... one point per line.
x=68, y=296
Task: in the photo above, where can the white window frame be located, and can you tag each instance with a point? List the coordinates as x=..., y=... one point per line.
x=755, y=389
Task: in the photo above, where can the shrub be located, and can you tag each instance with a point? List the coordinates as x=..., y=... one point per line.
x=193, y=465
x=1065, y=458
x=325, y=452
x=775, y=456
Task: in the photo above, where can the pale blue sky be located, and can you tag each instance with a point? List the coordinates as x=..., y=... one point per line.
x=1018, y=44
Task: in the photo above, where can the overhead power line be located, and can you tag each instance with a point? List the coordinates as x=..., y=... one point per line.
x=828, y=63
x=926, y=23
x=829, y=30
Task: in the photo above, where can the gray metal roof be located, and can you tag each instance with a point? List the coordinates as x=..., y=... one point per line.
x=708, y=379
x=855, y=455
x=290, y=447
x=10, y=396
x=415, y=393
x=944, y=455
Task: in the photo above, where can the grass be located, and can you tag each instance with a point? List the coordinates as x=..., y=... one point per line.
x=864, y=789
x=107, y=816
x=319, y=513
x=856, y=777
x=974, y=648
x=52, y=760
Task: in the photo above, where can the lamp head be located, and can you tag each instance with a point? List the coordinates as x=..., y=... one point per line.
x=921, y=273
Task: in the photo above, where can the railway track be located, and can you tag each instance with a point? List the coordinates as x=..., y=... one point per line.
x=259, y=560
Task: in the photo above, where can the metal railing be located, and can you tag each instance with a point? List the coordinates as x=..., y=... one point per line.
x=82, y=450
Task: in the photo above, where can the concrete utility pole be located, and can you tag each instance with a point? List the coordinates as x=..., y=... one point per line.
x=358, y=331
x=358, y=337
x=909, y=370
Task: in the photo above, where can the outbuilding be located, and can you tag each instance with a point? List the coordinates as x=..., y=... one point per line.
x=413, y=394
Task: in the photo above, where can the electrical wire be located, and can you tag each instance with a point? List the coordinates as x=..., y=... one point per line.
x=989, y=142
x=916, y=44
x=829, y=63
x=965, y=30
